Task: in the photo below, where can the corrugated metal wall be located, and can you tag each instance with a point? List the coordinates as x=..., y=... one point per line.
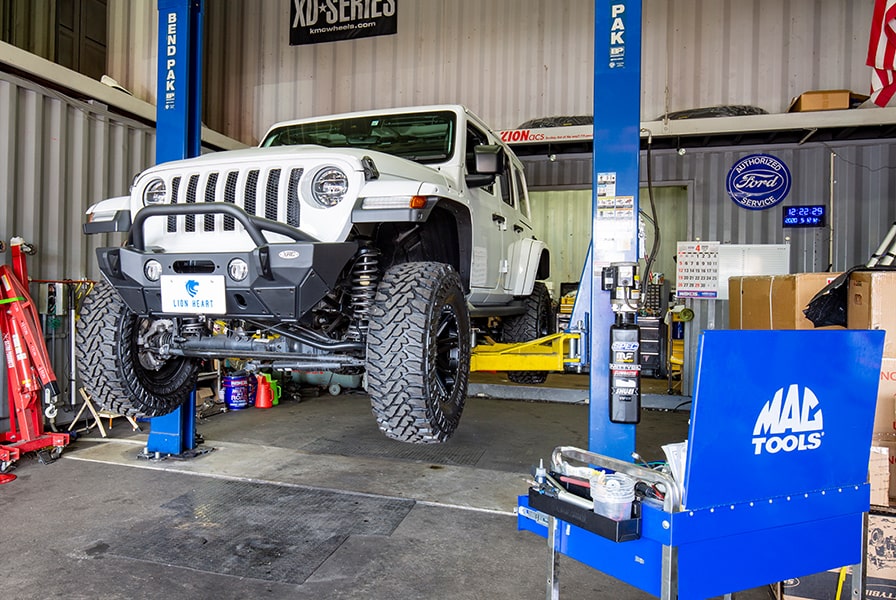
x=860, y=211
x=757, y=52
x=508, y=60
x=562, y=218
x=58, y=156
x=133, y=34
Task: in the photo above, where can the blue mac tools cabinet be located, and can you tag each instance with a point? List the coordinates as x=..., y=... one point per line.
x=775, y=479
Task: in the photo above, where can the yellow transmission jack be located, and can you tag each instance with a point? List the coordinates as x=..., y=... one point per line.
x=555, y=352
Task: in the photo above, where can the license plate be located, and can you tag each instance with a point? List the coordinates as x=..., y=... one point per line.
x=196, y=294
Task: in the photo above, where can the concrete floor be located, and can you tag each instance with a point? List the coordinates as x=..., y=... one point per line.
x=304, y=500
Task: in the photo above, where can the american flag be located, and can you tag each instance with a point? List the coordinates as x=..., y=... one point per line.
x=882, y=52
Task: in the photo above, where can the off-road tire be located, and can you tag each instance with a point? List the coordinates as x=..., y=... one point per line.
x=418, y=352
x=109, y=366
x=537, y=321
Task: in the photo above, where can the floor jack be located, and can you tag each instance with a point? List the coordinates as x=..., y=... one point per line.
x=29, y=373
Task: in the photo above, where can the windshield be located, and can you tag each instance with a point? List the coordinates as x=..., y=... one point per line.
x=426, y=137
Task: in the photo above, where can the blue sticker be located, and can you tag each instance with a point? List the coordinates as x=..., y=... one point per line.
x=758, y=181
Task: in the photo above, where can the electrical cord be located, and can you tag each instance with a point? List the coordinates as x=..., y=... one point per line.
x=857, y=164
x=651, y=256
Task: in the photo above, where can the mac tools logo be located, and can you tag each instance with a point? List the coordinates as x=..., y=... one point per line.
x=758, y=181
x=789, y=423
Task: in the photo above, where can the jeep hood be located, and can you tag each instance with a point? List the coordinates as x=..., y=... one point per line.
x=387, y=165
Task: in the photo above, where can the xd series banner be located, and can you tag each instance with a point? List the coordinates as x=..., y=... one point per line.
x=316, y=21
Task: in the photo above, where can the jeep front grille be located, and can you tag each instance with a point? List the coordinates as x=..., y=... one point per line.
x=261, y=192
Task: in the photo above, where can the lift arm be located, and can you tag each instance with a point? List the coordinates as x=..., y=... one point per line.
x=555, y=352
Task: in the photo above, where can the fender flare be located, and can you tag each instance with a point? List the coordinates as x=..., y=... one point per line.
x=109, y=216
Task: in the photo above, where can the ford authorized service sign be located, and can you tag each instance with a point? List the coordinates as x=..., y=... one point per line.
x=758, y=181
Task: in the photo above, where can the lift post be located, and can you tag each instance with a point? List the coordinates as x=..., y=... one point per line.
x=615, y=179
x=178, y=135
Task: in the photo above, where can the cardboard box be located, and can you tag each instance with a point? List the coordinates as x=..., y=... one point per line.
x=774, y=301
x=891, y=448
x=825, y=100
x=879, y=475
x=885, y=414
x=869, y=305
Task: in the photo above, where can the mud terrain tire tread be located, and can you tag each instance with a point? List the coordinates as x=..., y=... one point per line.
x=418, y=352
x=108, y=366
x=536, y=322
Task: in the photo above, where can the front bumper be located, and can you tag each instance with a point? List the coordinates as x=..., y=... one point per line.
x=285, y=280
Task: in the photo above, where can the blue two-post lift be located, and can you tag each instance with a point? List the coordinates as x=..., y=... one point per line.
x=178, y=135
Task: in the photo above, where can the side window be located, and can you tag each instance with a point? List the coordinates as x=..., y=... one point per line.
x=475, y=137
x=505, y=180
x=522, y=193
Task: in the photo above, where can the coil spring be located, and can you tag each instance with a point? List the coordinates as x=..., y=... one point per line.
x=192, y=326
x=365, y=277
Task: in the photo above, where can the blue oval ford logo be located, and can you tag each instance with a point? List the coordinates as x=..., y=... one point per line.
x=758, y=181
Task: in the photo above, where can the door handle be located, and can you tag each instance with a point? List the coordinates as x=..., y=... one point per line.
x=498, y=218
x=517, y=228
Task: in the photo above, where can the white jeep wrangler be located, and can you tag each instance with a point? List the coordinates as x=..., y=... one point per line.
x=363, y=241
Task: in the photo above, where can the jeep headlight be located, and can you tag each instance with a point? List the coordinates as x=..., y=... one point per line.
x=154, y=193
x=153, y=270
x=329, y=186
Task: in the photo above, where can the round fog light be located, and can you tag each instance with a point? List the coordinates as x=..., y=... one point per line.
x=153, y=270
x=238, y=269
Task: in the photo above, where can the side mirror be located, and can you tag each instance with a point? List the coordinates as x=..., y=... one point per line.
x=489, y=159
x=489, y=162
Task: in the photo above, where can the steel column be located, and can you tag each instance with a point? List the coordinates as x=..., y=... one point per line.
x=178, y=135
x=614, y=236
x=179, y=89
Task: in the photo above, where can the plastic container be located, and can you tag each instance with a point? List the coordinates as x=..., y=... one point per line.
x=236, y=391
x=613, y=495
x=275, y=388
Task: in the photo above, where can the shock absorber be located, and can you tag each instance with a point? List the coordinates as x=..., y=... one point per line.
x=365, y=276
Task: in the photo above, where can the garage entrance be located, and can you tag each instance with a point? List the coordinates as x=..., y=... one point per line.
x=562, y=219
